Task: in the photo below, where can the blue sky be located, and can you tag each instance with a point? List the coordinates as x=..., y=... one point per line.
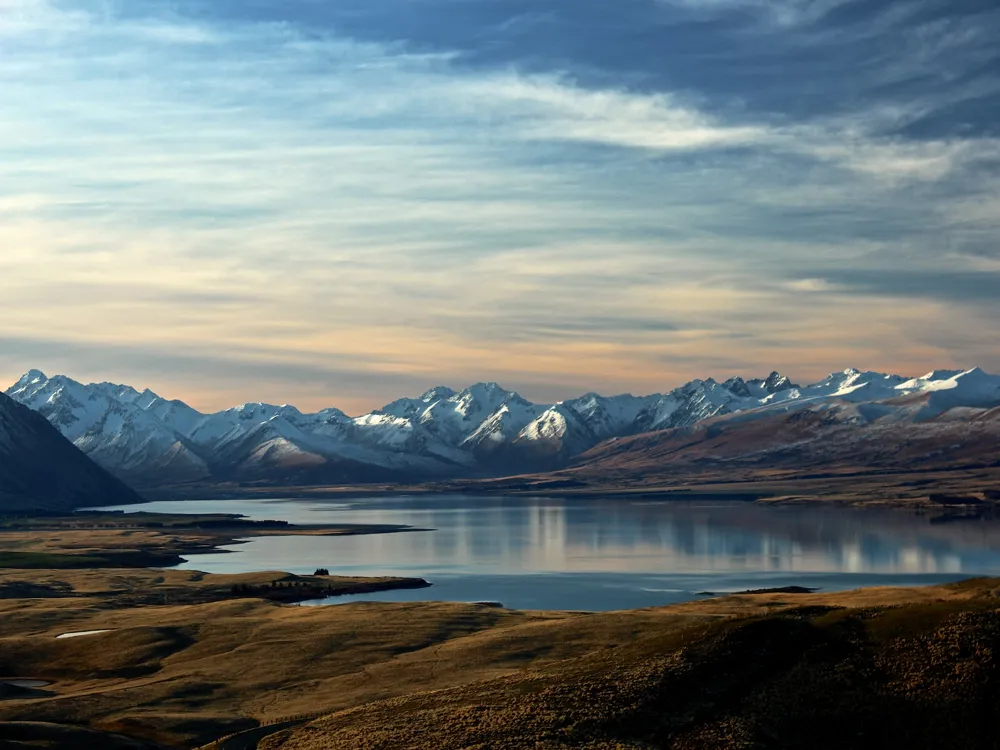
x=341, y=202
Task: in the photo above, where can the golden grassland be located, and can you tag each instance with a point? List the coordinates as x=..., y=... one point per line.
x=726, y=672
x=830, y=674
x=190, y=657
x=154, y=534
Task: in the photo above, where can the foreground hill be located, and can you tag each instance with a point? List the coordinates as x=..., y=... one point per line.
x=42, y=470
x=824, y=675
x=914, y=668
x=486, y=430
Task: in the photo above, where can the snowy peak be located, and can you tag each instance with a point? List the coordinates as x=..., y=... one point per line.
x=106, y=421
x=261, y=412
x=738, y=387
x=559, y=432
x=973, y=382
x=776, y=382
x=942, y=390
x=608, y=416
x=936, y=375
x=484, y=398
x=137, y=433
x=853, y=384
x=412, y=407
x=29, y=378
x=437, y=394
x=502, y=426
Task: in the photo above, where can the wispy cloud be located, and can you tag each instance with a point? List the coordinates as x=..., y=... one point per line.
x=221, y=182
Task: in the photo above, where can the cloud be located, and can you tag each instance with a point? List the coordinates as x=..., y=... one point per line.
x=781, y=13
x=973, y=287
x=332, y=195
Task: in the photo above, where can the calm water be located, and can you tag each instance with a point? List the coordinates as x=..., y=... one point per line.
x=603, y=554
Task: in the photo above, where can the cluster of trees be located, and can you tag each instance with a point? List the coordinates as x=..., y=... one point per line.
x=248, y=588
x=251, y=588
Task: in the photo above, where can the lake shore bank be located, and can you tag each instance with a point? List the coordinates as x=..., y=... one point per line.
x=950, y=494
x=118, y=539
x=124, y=558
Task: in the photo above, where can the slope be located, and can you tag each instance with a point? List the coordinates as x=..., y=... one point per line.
x=822, y=675
x=40, y=470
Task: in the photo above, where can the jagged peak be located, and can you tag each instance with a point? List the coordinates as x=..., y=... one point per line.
x=776, y=382
x=489, y=389
x=31, y=376
x=488, y=386
x=438, y=392
x=840, y=375
x=738, y=387
x=253, y=406
x=943, y=374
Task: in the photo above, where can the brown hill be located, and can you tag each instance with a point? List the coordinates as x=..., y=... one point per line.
x=913, y=668
x=819, y=676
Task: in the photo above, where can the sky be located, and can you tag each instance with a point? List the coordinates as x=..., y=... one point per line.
x=340, y=202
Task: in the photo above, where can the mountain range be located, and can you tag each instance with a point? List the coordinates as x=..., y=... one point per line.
x=42, y=470
x=482, y=430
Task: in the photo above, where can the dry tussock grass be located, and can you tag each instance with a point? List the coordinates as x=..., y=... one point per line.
x=853, y=669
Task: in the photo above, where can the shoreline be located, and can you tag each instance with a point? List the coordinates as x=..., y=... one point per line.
x=953, y=495
x=50, y=557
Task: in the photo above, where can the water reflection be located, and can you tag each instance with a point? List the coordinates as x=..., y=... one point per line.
x=609, y=543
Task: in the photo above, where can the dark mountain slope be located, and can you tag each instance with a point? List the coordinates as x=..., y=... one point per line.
x=40, y=470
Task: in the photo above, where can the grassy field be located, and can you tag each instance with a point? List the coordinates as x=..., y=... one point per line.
x=186, y=658
x=119, y=540
x=766, y=670
x=825, y=674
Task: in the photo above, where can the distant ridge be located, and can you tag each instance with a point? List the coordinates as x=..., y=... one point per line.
x=482, y=430
x=40, y=470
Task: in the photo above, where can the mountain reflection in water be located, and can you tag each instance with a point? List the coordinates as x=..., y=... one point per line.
x=572, y=552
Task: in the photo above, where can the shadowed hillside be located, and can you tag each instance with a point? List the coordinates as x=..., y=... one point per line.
x=42, y=470
x=920, y=676
x=42, y=736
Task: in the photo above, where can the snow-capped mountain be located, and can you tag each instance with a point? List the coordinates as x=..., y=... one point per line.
x=851, y=421
x=481, y=429
x=117, y=426
x=42, y=470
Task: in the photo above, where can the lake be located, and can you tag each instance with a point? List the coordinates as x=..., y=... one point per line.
x=586, y=554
